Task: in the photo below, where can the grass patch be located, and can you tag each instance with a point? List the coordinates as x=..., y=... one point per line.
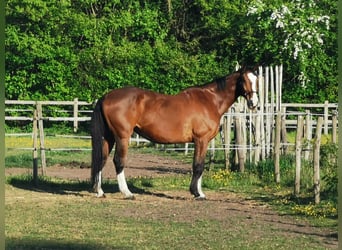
x=27, y=230
x=15, y=157
x=60, y=214
x=67, y=158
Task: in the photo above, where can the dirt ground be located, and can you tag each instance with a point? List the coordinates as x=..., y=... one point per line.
x=146, y=165
x=248, y=210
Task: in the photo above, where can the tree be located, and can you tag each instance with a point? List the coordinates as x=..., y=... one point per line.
x=301, y=35
x=65, y=49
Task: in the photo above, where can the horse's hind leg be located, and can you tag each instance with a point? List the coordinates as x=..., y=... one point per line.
x=198, y=168
x=120, y=159
x=106, y=148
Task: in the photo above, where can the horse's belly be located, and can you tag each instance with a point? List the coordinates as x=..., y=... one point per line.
x=166, y=133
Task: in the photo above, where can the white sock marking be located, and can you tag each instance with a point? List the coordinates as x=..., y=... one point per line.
x=123, y=185
x=99, y=190
x=199, y=188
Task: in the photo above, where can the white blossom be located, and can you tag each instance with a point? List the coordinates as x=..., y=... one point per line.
x=301, y=32
x=258, y=7
x=303, y=79
x=252, y=10
x=319, y=38
x=307, y=44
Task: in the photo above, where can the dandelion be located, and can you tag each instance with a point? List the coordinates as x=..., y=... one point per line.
x=222, y=177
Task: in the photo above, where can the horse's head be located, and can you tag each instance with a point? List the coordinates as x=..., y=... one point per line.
x=248, y=87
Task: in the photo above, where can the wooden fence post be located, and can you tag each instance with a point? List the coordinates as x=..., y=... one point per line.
x=35, y=145
x=298, y=153
x=41, y=137
x=212, y=150
x=308, y=134
x=277, y=105
x=280, y=93
x=249, y=137
x=316, y=159
x=257, y=139
x=277, y=148
x=263, y=94
x=270, y=116
x=186, y=151
x=283, y=131
x=334, y=127
x=239, y=143
x=226, y=134
x=75, y=115
x=326, y=117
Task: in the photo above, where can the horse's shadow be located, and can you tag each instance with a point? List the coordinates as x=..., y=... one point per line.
x=77, y=188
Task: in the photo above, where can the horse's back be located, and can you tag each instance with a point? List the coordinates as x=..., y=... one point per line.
x=158, y=117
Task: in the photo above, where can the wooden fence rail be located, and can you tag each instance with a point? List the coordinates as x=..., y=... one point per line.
x=34, y=105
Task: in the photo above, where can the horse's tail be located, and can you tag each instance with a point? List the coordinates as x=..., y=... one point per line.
x=98, y=127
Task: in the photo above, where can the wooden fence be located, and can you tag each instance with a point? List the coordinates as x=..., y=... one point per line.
x=78, y=114
x=250, y=135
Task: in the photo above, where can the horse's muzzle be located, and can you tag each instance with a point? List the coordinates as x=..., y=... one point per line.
x=252, y=104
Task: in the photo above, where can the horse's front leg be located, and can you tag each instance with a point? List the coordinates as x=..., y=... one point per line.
x=197, y=169
x=120, y=159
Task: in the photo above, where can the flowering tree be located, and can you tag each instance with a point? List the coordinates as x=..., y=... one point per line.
x=301, y=34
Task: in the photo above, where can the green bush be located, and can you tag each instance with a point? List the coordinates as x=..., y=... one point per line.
x=328, y=163
x=59, y=50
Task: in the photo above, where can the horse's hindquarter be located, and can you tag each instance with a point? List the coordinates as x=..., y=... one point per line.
x=121, y=110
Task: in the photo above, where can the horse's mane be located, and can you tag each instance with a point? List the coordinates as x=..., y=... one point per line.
x=221, y=82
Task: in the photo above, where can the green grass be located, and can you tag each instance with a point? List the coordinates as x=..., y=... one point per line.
x=256, y=175
x=60, y=214
x=23, y=158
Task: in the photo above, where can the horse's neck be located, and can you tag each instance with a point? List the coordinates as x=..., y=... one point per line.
x=227, y=96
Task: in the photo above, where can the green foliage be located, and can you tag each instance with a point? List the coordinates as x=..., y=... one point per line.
x=60, y=50
x=328, y=162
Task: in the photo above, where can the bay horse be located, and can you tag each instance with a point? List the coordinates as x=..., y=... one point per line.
x=193, y=115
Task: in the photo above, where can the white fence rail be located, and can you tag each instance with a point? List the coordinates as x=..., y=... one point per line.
x=79, y=111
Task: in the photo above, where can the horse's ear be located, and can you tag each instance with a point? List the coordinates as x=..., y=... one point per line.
x=255, y=69
x=242, y=68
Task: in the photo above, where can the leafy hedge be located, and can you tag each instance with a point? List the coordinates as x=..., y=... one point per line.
x=60, y=50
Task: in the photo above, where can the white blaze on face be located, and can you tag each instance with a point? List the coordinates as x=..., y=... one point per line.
x=253, y=78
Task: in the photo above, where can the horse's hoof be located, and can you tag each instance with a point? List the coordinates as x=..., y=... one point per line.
x=130, y=197
x=200, y=198
x=100, y=195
